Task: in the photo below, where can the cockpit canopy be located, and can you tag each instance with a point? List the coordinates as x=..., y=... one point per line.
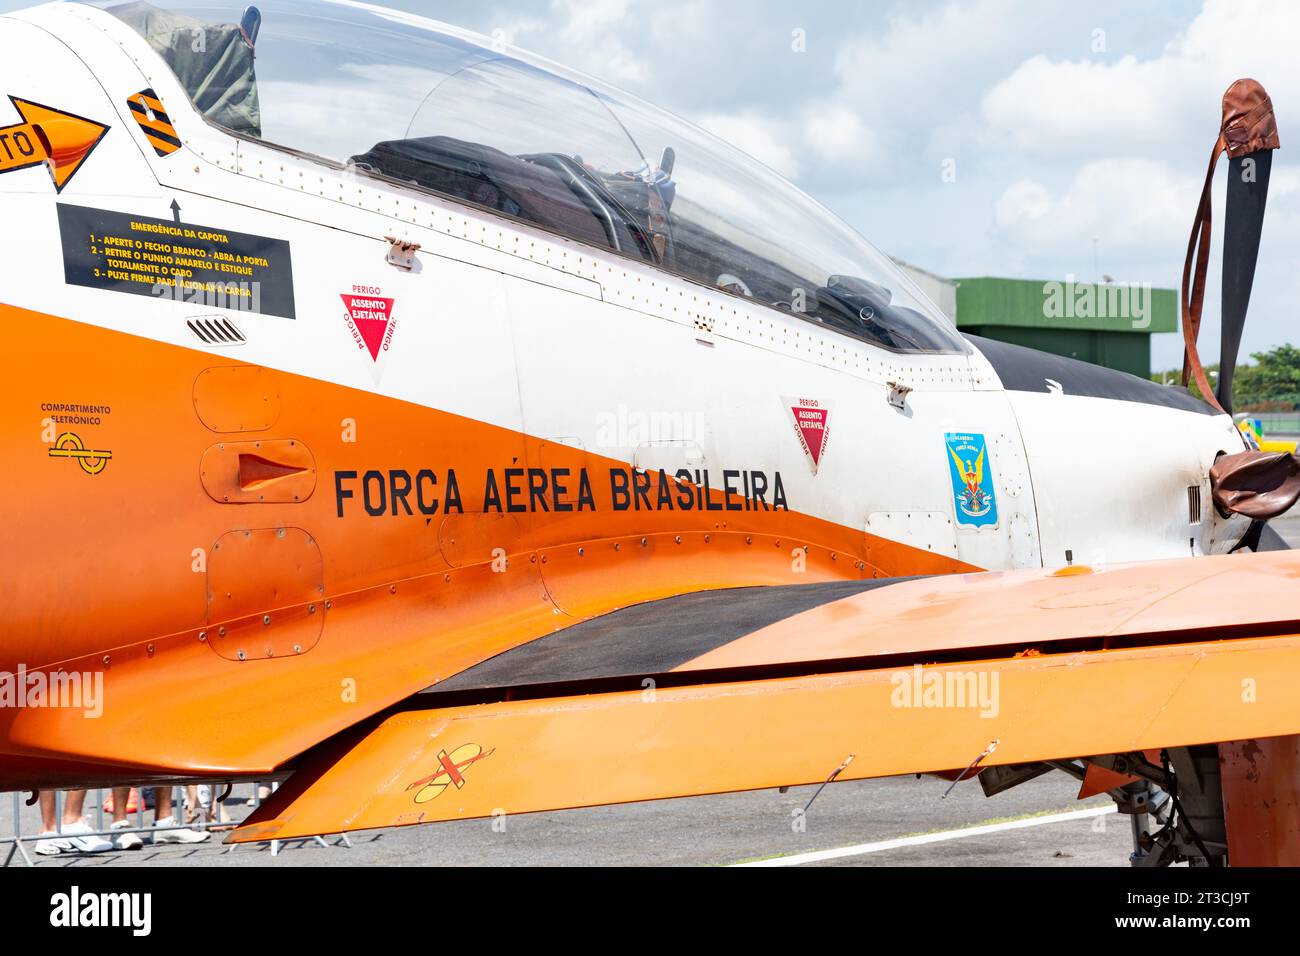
x=406, y=99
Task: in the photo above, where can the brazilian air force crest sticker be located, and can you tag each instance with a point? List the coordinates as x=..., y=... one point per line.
x=974, y=498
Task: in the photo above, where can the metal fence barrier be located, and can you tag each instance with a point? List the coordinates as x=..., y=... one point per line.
x=20, y=839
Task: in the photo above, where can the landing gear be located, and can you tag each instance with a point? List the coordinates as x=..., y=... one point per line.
x=1175, y=806
x=1146, y=804
x=1197, y=833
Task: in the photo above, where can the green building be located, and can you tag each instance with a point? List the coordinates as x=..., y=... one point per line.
x=1108, y=324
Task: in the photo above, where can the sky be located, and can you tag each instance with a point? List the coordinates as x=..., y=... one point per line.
x=1031, y=139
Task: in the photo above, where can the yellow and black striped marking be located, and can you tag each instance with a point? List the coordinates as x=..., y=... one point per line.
x=153, y=119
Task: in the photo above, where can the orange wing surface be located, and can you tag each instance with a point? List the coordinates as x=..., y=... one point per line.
x=914, y=677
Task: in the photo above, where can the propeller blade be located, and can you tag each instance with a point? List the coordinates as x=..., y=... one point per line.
x=1242, y=226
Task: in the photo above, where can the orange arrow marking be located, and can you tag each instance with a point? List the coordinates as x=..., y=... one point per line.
x=60, y=140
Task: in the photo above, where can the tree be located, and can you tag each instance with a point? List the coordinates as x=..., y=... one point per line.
x=1271, y=383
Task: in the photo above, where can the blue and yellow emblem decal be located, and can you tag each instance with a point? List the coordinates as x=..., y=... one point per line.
x=974, y=499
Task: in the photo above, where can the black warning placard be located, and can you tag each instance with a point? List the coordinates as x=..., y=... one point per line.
x=201, y=265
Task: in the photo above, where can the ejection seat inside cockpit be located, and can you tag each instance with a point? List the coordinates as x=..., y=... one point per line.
x=550, y=190
x=487, y=177
x=214, y=61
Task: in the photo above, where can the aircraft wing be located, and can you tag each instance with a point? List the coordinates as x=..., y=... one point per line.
x=766, y=687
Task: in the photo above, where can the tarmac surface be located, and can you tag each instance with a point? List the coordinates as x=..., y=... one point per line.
x=704, y=831
x=898, y=821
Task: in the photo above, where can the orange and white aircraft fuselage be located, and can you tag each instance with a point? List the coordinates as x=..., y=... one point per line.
x=289, y=442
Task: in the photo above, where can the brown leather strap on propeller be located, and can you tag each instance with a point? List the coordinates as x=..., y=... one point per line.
x=1248, y=127
x=1258, y=484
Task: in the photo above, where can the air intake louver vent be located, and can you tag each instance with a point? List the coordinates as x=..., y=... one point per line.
x=215, y=330
x=1194, y=504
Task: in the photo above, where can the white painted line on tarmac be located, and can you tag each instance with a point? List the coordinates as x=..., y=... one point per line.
x=860, y=849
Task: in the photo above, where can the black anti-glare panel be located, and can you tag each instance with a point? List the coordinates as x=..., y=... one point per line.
x=1024, y=369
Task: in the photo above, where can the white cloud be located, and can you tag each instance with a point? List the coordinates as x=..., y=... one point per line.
x=839, y=137
x=769, y=141
x=591, y=32
x=826, y=136
x=1068, y=108
x=1151, y=105
x=1131, y=205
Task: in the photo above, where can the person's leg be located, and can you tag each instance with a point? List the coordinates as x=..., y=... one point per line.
x=162, y=802
x=74, y=802
x=121, y=797
x=164, y=818
x=123, y=841
x=49, y=842
x=49, y=808
x=76, y=828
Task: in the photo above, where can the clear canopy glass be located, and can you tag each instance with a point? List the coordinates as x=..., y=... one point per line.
x=424, y=104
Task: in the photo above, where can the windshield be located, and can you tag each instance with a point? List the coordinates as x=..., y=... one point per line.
x=404, y=98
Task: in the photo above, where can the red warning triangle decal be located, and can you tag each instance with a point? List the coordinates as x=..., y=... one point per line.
x=812, y=423
x=369, y=316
